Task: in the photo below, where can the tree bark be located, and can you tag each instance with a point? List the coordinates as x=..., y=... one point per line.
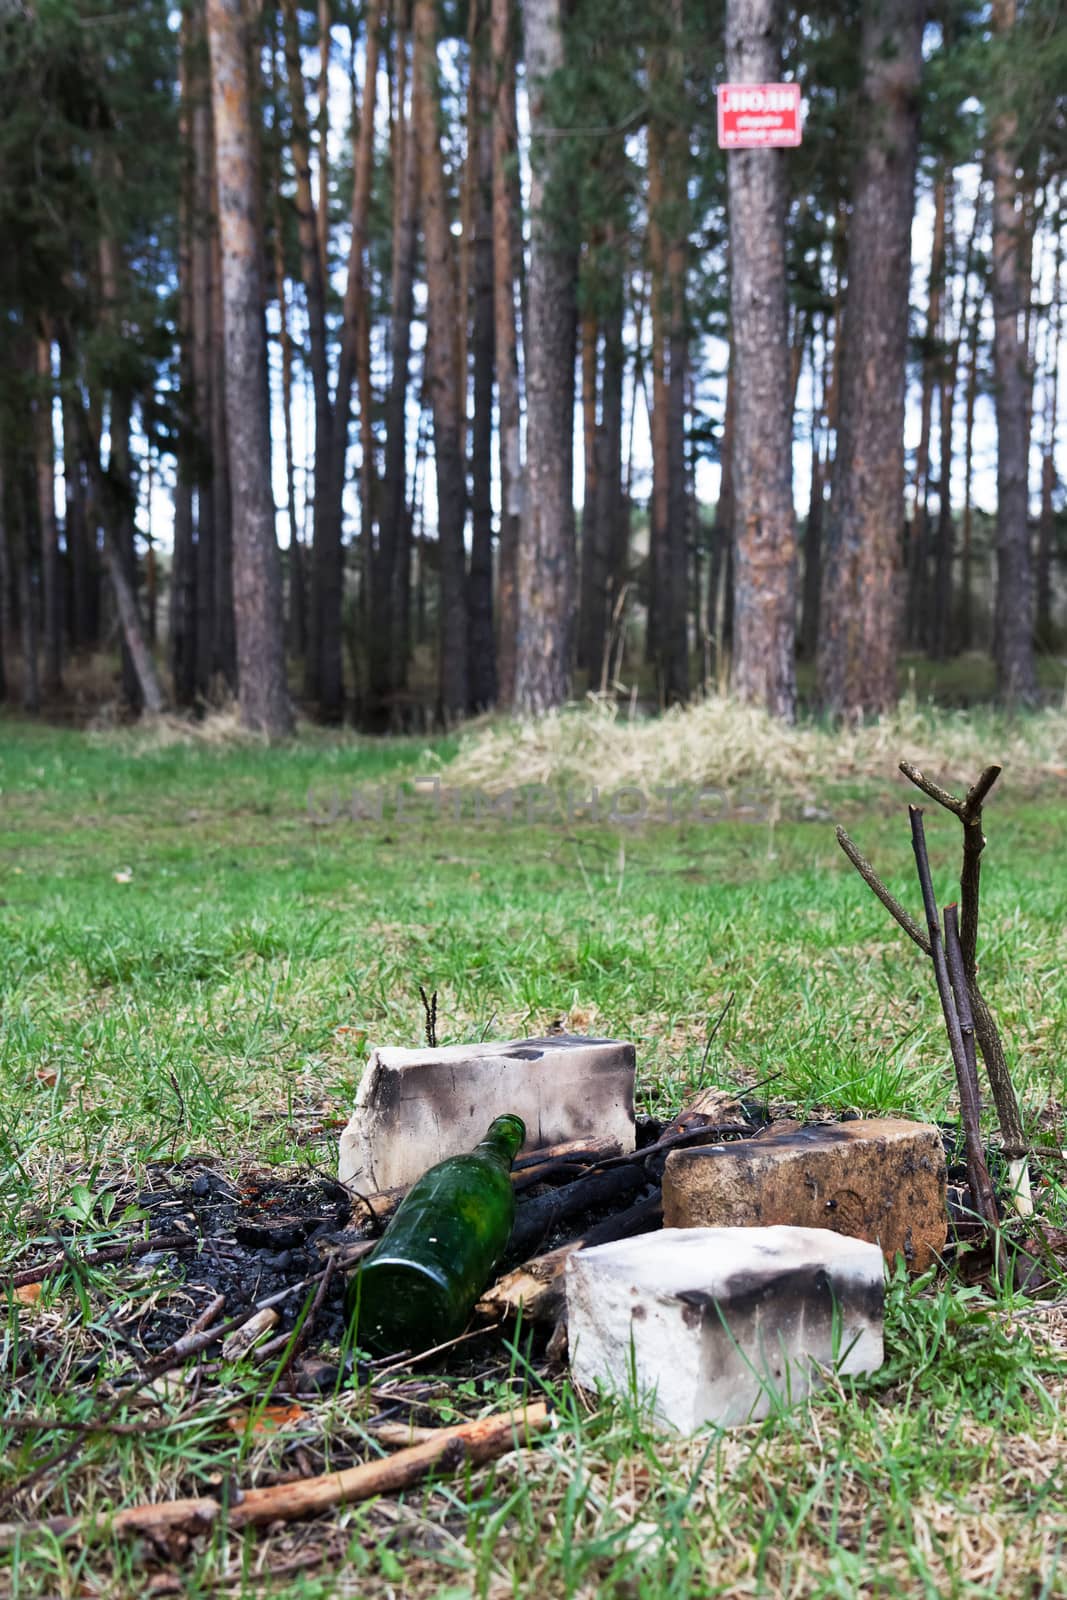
x=611, y=552
x=966, y=532
x=387, y=641
x=1046, y=519
x=546, y=563
x=720, y=586
x=45, y=453
x=224, y=643
x=590, y=375
x=481, y=644
x=263, y=692
x=506, y=342
x=441, y=375
x=860, y=610
x=765, y=546
x=920, y=614
x=204, y=370
x=296, y=612
x=1013, y=642
x=182, y=632
x=323, y=663
x=84, y=577
x=938, y=631
x=6, y=630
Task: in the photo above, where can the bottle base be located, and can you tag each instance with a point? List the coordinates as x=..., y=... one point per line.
x=396, y=1305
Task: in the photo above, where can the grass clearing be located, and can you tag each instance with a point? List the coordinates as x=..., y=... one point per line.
x=199, y=941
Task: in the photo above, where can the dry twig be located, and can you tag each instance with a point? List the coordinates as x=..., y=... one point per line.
x=451, y=1448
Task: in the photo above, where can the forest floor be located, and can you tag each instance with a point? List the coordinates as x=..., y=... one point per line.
x=199, y=941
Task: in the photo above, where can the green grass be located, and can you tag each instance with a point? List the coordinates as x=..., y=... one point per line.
x=193, y=960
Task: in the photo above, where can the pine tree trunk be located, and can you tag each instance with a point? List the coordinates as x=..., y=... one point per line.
x=675, y=638
x=224, y=646
x=7, y=639
x=441, y=374
x=966, y=618
x=204, y=339
x=81, y=550
x=546, y=564
x=1046, y=521
x=506, y=342
x=31, y=683
x=481, y=645
x=264, y=698
x=919, y=612
x=323, y=663
x=720, y=604
x=765, y=547
x=182, y=644
x=611, y=552
x=860, y=611
x=7, y=633
x=809, y=619
x=296, y=611
x=353, y=366
x=388, y=638
x=590, y=374
x=44, y=449
x=1013, y=644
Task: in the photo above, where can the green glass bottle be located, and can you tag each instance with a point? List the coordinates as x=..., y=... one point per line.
x=419, y=1284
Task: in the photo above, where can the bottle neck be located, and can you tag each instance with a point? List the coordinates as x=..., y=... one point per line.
x=504, y=1139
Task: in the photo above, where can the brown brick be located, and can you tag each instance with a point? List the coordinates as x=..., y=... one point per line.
x=882, y=1180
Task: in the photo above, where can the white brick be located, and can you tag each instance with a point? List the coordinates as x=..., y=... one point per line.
x=720, y=1324
x=415, y=1107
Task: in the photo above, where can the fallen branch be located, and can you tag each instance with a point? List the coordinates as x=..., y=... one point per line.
x=536, y=1218
x=448, y=1450
x=537, y=1287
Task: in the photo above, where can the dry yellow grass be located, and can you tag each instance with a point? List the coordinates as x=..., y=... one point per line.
x=719, y=742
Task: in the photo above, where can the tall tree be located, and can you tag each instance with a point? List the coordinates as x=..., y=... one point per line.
x=860, y=605
x=46, y=508
x=1013, y=633
x=481, y=644
x=668, y=156
x=506, y=340
x=546, y=563
x=765, y=546
x=387, y=641
x=263, y=692
x=442, y=373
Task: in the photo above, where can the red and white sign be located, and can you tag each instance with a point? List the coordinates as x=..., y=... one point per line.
x=755, y=116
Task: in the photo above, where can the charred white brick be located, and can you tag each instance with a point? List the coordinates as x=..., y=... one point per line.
x=415, y=1107
x=720, y=1324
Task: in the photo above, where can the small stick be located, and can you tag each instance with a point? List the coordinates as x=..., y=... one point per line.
x=969, y=812
x=412, y=1358
x=450, y=1449
x=100, y=1258
x=719, y=1020
x=429, y=1006
x=981, y=1186
x=978, y=1173
x=875, y=884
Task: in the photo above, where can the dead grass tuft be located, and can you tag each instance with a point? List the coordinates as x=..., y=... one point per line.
x=720, y=742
